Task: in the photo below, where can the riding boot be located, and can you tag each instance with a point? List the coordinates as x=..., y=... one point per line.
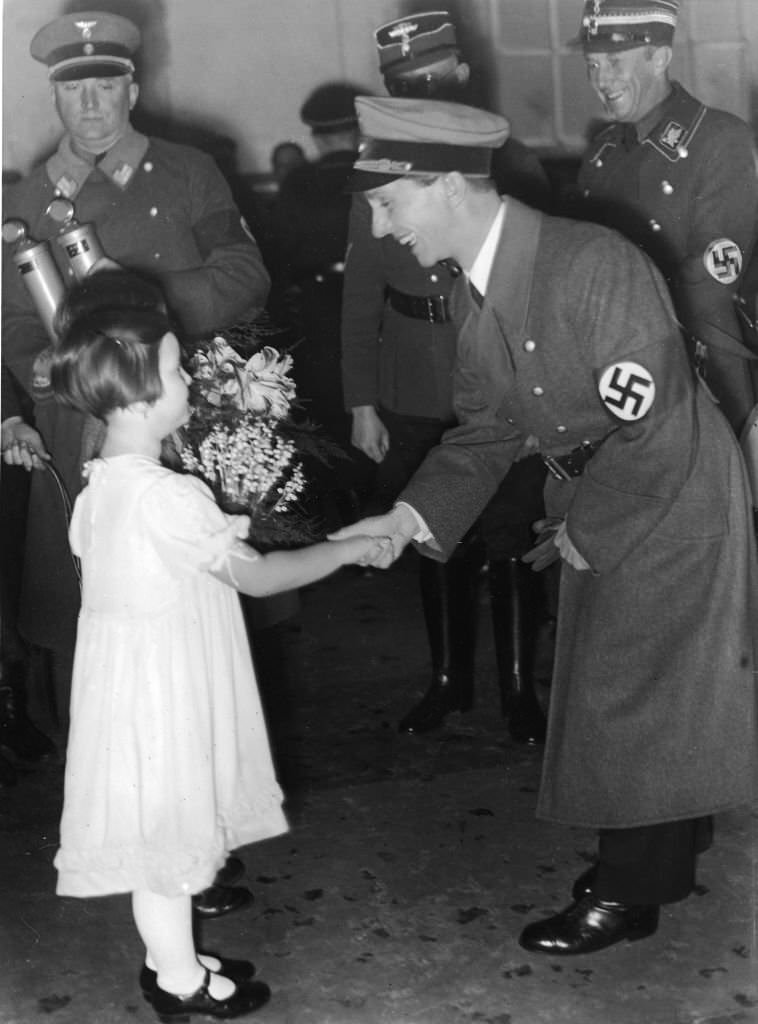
x=449, y=598
x=516, y=601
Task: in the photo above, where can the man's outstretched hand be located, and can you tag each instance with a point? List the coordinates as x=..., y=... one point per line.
x=399, y=525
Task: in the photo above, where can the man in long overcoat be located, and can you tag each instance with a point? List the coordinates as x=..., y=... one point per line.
x=568, y=345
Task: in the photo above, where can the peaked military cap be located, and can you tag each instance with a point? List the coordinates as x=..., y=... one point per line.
x=610, y=26
x=331, y=108
x=414, y=41
x=86, y=44
x=412, y=137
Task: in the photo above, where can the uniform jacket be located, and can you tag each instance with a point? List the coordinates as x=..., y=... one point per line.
x=159, y=208
x=652, y=714
x=687, y=194
x=388, y=359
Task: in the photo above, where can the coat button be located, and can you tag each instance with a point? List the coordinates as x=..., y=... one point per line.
x=148, y=166
x=529, y=345
x=153, y=211
x=598, y=163
x=683, y=152
x=667, y=188
x=433, y=278
x=654, y=225
x=561, y=429
x=538, y=391
x=509, y=420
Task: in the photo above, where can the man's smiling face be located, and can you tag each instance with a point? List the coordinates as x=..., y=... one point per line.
x=416, y=213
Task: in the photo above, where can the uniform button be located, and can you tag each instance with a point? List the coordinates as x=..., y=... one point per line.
x=654, y=225
x=529, y=345
x=433, y=278
x=148, y=166
x=667, y=188
x=683, y=152
x=561, y=429
x=538, y=391
x=586, y=193
x=598, y=163
x=153, y=211
x=156, y=255
x=509, y=420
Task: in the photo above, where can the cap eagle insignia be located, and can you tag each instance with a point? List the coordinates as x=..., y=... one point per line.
x=85, y=27
x=403, y=31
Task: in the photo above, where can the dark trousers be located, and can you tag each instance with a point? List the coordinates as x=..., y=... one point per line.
x=652, y=863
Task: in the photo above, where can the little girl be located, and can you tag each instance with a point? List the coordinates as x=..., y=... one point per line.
x=168, y=764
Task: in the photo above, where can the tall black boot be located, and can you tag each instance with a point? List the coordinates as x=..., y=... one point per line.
x=449, y=598
x=517, y=603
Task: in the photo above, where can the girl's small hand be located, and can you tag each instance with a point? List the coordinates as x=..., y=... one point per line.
x=362, y=550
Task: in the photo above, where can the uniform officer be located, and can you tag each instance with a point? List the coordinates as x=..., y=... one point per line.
x=157, y=207
x=398, y=349
x=310, y=227
x=675, y=176
x=568, y=337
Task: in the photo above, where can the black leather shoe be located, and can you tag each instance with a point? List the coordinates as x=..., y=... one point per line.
x=588, y=926
x=235, y=970
x=230, y=873
x=584, y=884
x=526, y=721
x=440, y=699
x=248, y=996
x=221, y=899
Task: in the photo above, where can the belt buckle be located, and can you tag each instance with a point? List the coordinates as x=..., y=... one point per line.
x=556, y=468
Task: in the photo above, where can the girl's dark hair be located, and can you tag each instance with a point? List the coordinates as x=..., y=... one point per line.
x=108, y=359
x=109, y=289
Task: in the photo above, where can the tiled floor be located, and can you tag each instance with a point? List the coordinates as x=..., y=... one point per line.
x=410, y=868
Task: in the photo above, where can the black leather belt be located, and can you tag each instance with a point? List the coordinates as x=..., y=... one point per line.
x=566, y=467
x=432, y=308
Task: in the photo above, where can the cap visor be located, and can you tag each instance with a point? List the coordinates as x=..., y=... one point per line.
x=362, y=181
x=89, y=69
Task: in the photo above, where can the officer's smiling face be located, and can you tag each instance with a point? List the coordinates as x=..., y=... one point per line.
x=95, y=110
x=629, y=83
x=415, y=213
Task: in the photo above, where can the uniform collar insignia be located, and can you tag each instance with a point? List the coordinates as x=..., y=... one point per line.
x=672, y=135
x=118, y=164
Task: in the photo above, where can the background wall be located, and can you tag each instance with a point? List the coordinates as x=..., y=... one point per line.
x=231, y=74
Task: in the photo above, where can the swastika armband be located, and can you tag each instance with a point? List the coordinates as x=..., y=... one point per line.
x=627, y=390
x=723, y=260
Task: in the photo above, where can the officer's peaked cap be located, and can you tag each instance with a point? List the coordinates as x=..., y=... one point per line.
x=415, y=137
x=609, y=26
x=331, y=108
x=414, y=41
x=87, y=44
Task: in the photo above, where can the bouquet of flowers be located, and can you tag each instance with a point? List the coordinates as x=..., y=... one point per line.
x=243, y=441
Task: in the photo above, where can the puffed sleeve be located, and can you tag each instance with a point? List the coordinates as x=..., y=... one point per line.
x=188, y=529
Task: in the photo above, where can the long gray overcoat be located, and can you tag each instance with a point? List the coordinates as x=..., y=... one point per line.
x=653, y=703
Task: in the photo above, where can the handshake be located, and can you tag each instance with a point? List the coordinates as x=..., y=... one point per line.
x=399, y=526
x=395, y=528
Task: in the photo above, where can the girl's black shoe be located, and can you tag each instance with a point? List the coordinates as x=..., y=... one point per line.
x=234, y=970
x=247, y=997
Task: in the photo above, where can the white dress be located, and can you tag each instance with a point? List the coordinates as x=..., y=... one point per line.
x=168, y=764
